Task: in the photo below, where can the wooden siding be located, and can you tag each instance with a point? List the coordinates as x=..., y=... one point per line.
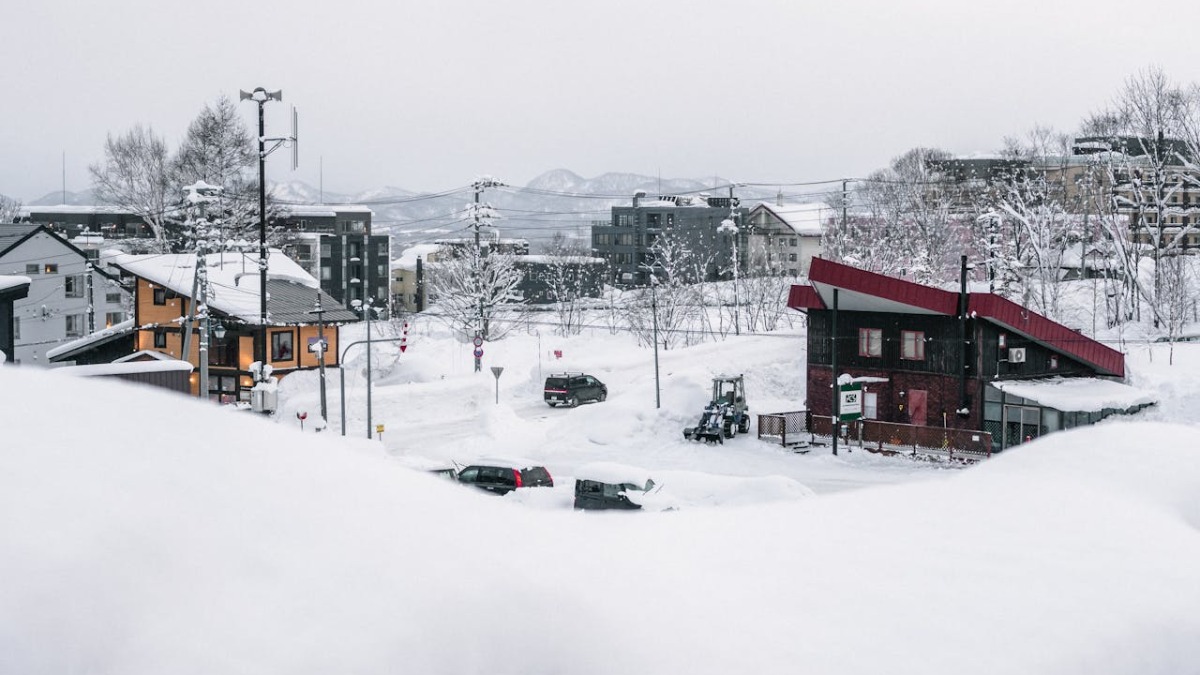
x=942, y=354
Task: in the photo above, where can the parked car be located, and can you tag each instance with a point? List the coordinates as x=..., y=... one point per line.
x=607, y=485
x=571, y=389
x=501, y=476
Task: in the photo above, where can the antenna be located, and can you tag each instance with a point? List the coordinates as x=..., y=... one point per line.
x=295, y=139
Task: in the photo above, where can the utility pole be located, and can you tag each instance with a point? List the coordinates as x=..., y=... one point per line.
x=481, y=325
x=654, y=311
x=91, y=297
x=320, y=348
x=199, y=195
x=729, y=226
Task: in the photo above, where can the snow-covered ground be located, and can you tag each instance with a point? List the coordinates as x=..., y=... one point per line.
x=142, y=532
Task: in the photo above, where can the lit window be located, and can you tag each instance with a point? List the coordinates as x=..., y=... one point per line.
x=912, y=345
x=870, y=342
x=51, y=268
x=1002, y=340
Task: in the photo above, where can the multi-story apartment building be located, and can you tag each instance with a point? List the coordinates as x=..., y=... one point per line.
x=70, y=295
x=628, y=242
x=336, y=245
x=783, y=238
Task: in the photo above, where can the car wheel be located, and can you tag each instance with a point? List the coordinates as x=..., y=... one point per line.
x=572, y=402
x=603, y=395
x=551, y=403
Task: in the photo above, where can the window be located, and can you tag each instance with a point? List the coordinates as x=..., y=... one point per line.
x=74, y=325
x=160, y=296
x=111, y=318
x=281, y=346
x=326, y=273
x=912, y=345
x=603, y=240
x=326, y=249
x=624, y=220
x=1002, y=340
x=870, y=342
x=73, y=286
x=33, y=269
x=382, y=249
x=792, y=241
x=1053, y=362
x=51, y=268
x=625, y=239
x=113, y=297
x=16, y=328
x=160, y=339
x=791, y=257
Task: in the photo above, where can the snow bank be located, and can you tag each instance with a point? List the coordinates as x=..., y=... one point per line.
x=192, y=540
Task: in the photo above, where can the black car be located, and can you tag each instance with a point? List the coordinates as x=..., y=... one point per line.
x=604, y=485
x=571, y=389
x=503, y=476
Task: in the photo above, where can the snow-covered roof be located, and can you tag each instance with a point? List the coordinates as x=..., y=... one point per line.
x=560, y=259
x=613, y=473
x=233, y=277
x=125, y=368
x=12, y=281
x=1078, y=394
x=805, y=218
x=75, y=209
x=408, y=257
x=101, y=335
x=323, y=210
x=144, y=354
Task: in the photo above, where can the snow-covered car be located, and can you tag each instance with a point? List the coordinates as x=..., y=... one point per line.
x=608, y=485
x=501, y=476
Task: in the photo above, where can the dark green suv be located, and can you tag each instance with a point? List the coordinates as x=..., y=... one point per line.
x=571, y=389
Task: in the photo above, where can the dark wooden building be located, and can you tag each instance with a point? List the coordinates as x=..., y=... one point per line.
x=939, y=358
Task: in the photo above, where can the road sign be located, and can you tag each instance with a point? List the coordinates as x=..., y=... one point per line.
x=379, y=428
x=317, y=345
x=496, y=370
x=478, y=352
x=478, y=341
x=850, y=403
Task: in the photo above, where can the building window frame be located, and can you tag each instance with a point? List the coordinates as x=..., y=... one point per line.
x=870, y=342
x=912, y=345
x=160, y=338
x=282, y=346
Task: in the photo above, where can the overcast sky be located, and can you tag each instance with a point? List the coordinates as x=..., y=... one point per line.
x=430, y=95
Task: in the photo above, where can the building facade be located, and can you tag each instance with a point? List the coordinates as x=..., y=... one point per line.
x=336, y=245
x=70, y=295
x=630, y=242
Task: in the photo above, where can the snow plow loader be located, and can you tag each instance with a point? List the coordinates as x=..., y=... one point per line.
x=726, y=414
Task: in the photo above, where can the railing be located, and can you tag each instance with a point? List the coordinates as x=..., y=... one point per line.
x=798, y=427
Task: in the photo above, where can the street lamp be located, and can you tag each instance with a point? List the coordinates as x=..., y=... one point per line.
x=261, y=96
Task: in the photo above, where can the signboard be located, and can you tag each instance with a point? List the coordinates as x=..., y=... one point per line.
x=850, y=403
x=316, y=345
x=478, y=341
x=496, y=370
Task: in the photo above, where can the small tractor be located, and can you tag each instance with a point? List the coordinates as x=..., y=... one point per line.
x=725, y=416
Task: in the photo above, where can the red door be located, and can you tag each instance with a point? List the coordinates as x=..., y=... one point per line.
x=916, y=406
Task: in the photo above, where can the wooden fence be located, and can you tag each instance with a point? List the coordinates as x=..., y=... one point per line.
x=801, y=427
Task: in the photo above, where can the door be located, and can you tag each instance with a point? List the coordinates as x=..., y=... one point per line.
x=917, y=406
x=1021, y=424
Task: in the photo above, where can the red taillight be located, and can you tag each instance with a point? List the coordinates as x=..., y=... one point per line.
x=517, y=477
x=549, y=479
x=556, y=391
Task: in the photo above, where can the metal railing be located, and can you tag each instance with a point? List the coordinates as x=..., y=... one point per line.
x=801, y=426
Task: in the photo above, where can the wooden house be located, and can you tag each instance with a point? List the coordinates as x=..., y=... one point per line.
x=959, y=360
x=162, y=289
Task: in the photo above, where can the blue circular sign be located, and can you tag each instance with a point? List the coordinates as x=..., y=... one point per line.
x=478, y=352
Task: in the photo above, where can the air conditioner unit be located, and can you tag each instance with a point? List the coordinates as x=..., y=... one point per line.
x=1016, y=355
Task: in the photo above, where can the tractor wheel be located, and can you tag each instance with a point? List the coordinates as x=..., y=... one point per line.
x=573, y=402
x=744, y=425
x=730, y=430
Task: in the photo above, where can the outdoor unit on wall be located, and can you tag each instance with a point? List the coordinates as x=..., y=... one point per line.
x=1016, y=355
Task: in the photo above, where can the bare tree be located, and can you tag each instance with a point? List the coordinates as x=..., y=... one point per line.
x=1149, y=135
x=9, y=209
x=474, y=293
x=667, y=310
x=135, y=176
x=568, y=266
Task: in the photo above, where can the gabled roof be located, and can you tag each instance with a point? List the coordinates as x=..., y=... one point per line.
x=234, y=285
x=863, y=291
x=805, y=219
x=13, y=235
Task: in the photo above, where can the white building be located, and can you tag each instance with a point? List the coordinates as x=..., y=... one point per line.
x=786, y=236
x=69, y=296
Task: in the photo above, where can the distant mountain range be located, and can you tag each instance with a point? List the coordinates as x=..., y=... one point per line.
x=556, y=201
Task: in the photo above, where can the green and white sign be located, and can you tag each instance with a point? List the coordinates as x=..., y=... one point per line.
x=850, y=401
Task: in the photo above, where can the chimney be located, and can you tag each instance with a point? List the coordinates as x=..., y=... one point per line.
x=636, y=196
